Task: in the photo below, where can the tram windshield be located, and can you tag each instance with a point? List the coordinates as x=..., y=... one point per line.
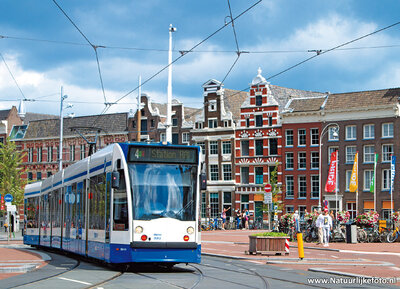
x=163, y=191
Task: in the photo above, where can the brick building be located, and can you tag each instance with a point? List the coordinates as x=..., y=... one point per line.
x=8, y=119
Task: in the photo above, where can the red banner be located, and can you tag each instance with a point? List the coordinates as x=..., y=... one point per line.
x=331, y=182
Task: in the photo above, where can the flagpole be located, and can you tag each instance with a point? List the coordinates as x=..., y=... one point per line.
x=375, y=161
x=337, y=182
x=392, y=175
x=357, y=188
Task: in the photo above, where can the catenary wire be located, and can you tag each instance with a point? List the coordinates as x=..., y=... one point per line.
x=91, y=44
x=9, y=71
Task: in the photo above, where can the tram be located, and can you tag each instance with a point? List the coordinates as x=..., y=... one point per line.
x=126, y=203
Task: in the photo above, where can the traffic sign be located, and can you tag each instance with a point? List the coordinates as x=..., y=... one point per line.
x=8, y=198
x=268, y=198
x=12, y=208
x=326, y=203
x=267, y=188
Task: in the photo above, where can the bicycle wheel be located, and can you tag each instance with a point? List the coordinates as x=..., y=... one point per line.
x=392, y=236
x=361, y=236
x=383, y=236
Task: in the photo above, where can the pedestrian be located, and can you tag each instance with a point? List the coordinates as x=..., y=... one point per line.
x=223, y=216
x=296, y=220
x=318, y=224
x=247, y=216
x=238, y=217
x=326, y=226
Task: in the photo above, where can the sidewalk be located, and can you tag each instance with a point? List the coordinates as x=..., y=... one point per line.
x=17, y=258
x=359, y=260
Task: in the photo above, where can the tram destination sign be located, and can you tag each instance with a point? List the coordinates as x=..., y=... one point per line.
x=162, y=154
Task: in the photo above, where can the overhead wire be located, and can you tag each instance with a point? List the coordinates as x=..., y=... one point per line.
x=91, y=44
x=12, y=75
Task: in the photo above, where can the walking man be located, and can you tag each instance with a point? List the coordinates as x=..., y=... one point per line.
x=326, y=226
x=318, y=224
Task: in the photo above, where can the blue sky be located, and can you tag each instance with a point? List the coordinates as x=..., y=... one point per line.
x=277, y=34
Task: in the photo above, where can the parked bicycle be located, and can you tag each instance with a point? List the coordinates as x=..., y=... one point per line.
x=393, y=235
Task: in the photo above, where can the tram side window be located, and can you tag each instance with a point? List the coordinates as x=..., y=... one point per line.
x=32, y=212
x=120, y=207
x=97, y=204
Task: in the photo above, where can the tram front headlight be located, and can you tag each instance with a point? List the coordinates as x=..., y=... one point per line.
x=138, y=230
x=190, y=230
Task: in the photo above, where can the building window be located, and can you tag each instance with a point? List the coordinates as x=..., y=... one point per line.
x=314, y=136
x=302, y=161
x=162, y=137
x=387, y=129
x=259, y=175
x=351, y=208
x=368, y=175
x=387, y=152
x=259, y=147
x=83, y=151
x=174, y=121
x=273, y=146
x=39, y=176
x=270, y=121
x=214, y=203
x=39, y=155
x=369, y=152
x=290, y=209
x=30, y=176
x=385, y=214
x=213, y=147
x=30, y=155
x=49, y=154
x=244, y=175
x=212, y=105
x=202, y=145
x=134, y=123
x=302, y=137
x=289, y=186
x=199, y=125
x=386, y=179
x=245, y=147
x=369, y=131
x=212, y=123
x=203, y=205
x=302, y=211
x=226, y=147
x=302, y=187
x=72, y=153
x=289, y=137
x=152, y=123
x=348, y=178
x=314, y=186
x=227, y=172
x=247, y=122
x=350, y=154
x=289, y=161
x=259, y=120
x=333, y=134
x=258, y=100
x=227, y=203
x=214, y=173
x=244, y=199
x=314, y=160
x=330, y=151
x=143, y=127
x=351, y=132
x=175, y=138
x=226, y=123
x=185, y=137
x=49, y=174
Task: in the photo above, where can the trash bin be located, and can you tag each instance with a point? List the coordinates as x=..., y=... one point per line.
x=351, y=233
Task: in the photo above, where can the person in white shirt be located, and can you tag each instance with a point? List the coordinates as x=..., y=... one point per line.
x=318, y=224
x=326, y=226
x=296, y=218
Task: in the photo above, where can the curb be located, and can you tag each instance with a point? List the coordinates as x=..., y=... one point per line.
x=20, y=269
x=345, y=273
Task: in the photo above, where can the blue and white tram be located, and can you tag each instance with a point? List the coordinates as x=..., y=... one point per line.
x=129, y=202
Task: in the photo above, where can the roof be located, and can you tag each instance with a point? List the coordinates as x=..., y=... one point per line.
x=307, y=104
x=31, y=116
x=233, y=100
x=283, y=94
x=363, y=99
x=109, y=123
x=4, y=114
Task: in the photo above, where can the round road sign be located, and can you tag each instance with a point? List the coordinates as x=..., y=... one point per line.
x=8, y=198
x=267, y=188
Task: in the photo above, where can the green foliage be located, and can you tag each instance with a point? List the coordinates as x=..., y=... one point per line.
x=10, y=172
x=273, y=180
x=270, y=234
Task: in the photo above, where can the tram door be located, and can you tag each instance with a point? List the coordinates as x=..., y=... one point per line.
x=107, y=217
x=80, y=218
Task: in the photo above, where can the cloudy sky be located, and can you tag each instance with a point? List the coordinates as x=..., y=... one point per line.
x=43, y=50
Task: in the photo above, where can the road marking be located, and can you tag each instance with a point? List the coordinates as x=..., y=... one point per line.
x=395, y=268
x=371, y=253
x=77, y=281
x=334, y=256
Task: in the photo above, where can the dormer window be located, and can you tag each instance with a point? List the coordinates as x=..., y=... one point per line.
x=258, y=100
x=174, y=121
x=212, y=105
x=212, y=123
x=199, y=125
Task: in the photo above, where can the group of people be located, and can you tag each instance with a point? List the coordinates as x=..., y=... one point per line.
x=242, y=219
x=324, y=223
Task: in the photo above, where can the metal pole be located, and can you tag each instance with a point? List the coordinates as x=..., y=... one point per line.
x=320, y=172
x=139, y=112
x=60, y=156
x=169, y=88
x=337, y=183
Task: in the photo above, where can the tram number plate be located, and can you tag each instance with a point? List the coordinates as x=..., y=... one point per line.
x=157, y=237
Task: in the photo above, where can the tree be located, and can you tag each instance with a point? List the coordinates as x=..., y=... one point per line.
x=11, y=170
x=275, y=189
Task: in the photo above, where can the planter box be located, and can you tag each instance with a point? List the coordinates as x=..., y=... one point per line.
x=267, y=245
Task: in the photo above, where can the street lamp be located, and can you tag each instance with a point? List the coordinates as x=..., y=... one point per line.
x=168, y=131
x=60, y=156
x=323, y=132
